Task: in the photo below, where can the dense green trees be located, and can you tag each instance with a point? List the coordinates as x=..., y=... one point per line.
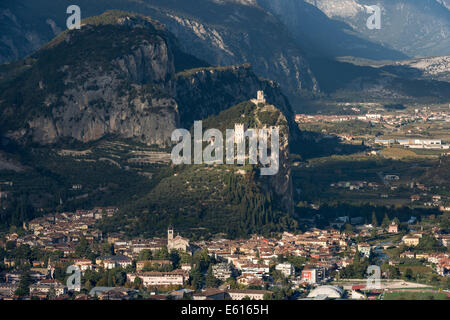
x=356, y=270
x=23, y=255
x=429, y=243
x=175, y=259
x=106, y=278
x=145, y=255
x=24, y=284
x=201, y=273
x=369, y=213
x=17, y=212
x=200, y=201
x=386, y=221
x=84, y=250
x=210, y=280
x=374, y=220
x=408, y=275
x=391, y=272
x=257, y=209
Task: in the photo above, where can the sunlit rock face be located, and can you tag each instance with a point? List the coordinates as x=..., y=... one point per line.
x=342, y=8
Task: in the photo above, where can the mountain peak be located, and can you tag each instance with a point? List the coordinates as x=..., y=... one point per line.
x=123, y=18
x=112, y=18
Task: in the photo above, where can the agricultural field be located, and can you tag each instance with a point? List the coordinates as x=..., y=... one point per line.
x=318, y=179
x=413, y=295
x=398, y=153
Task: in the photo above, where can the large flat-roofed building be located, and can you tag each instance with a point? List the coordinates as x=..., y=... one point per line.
x=313, y=275
x=309, y=276
x=252, y=294
x=44, y=287
x=8, y=289
x=385, y=141
x=414, y=143
x=411, y=240
x=112, y=262
x=409, y=142
x=140, y=265
x=222, y=271
x=149, y=279
x=287, y=269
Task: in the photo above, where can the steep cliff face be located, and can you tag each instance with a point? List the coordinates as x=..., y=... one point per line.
x=199, y=95
x=226, y=32
x=325, y=35
x=124, y=101
x=263, y=115
x=280, y=183
x=227, y=42
x=116, y=76
x=101, y=80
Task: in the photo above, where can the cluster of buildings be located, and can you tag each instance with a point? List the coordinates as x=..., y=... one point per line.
x=155, y=279
x=356, y=185
x=421, y=115
x=393, y=119
x=308, y=118
x=132, y=248
x=252, y=259
x=250, y=262
x=420, y=194
x=62, y=231
x=440, y=262
x=428, y=199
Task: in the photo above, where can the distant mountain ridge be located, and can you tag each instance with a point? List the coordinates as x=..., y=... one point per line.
x=430, y=68
x=324, y=36
x=417, y=28
x=283, y=40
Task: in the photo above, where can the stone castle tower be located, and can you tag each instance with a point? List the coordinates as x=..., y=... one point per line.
x=260, y=98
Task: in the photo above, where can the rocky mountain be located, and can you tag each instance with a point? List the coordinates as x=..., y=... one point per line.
x=129, y=80
x=324, y=35
x=64, y=92
x=218, y=32
x=123, y=77
x=283, y=40
x=445, y=3
x=235, y=200
x=199, y=95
